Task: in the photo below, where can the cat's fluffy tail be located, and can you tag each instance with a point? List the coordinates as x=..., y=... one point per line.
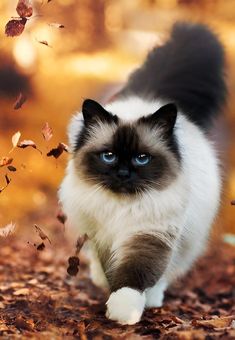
x=188, y=70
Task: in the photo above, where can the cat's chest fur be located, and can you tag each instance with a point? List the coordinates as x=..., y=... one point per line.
x=109, y=221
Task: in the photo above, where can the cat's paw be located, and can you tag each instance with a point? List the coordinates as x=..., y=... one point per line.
x=125, y=306
x=155, y=295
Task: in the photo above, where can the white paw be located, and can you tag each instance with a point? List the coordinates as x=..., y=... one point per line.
x=125, y=306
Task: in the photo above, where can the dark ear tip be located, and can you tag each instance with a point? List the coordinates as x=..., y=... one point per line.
x=87, y=102
x=171, y=107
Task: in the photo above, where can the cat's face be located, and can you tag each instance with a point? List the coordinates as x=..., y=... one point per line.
x=127, y=158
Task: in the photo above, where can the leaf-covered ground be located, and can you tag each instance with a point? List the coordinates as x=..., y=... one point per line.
x=39, y=300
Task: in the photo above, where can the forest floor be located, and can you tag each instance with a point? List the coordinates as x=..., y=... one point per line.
x=39, y=300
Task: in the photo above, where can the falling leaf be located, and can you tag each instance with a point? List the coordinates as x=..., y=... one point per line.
x=21, y=99
x=8, y=181
x=47, y=132
x=80, y=242
x=44, y=42
x=73, y=266
x=56, y=25
x=41, y=246
x=26, y=143
x=41, y=233
x=7, y=230
x=5, y=161
x=61, y=216
x=15, y=139
x=11, y=168
x=15, y=27
x=24, y=8
x=73, y=261
x=56, y=152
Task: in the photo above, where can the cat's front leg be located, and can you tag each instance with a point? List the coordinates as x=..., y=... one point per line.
x=138, y=265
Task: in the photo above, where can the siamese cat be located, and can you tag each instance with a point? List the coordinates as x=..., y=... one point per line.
x=143, y=181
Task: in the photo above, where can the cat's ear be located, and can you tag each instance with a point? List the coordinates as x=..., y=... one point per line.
x=164, y=117
x=93, y=112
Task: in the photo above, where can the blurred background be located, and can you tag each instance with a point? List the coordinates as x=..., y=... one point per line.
x=57, y=67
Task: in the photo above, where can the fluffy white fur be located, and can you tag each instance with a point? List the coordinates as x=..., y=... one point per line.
x=125, y=313
x=186, y=208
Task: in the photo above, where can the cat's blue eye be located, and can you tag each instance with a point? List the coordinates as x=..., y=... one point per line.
x=108, y=157
x=142, y=159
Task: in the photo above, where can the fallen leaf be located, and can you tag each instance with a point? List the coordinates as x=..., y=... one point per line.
x=21, y=323
x=41, y=233
x=24, y=8
x=11, y=168
x=56, y=25
x=22, y=291
x=5, y=161
x=56, y=152
x=214, y=323
x=15, y=27
x=15, y=139
x=26, y=143
x=21, y=99
x=7, y=230
x=47, y=132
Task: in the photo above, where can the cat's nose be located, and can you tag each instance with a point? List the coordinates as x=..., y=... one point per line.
x=123, y=173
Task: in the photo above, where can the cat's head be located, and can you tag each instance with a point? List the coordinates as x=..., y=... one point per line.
x=127, y=157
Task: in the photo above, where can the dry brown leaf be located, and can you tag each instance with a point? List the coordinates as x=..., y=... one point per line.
x=80, y=242
x=21, y=99
x=26, y=143
x=24, y=8
x=15, y=27
x=11, y=168
x=73, y=261
x=47, y=132
x=215, y=323
x=56, y=152
x=5, y=161
x=41, y=233
x=8, y=181
x=21, y=291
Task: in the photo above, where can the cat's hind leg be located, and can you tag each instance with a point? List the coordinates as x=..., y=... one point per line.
x=155, y=294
